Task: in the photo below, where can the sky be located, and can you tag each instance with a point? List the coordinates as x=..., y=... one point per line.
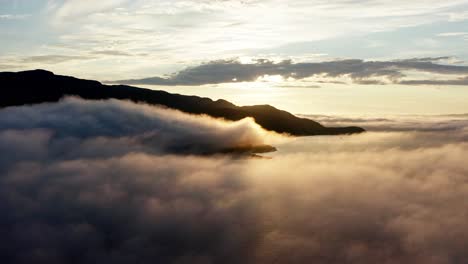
x=254, y=51
x=114, y=181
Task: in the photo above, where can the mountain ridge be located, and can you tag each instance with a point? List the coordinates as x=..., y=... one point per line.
x=39, y=86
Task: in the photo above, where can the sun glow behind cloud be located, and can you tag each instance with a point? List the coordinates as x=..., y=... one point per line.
x=118, y=39
x=180, y=33
x=271, y=79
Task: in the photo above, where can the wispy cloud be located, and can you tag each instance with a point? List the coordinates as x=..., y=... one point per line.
x=452, y=34
x=66, y=10
x=53, y=59
x=458, y=16
x=13, y=16
x=459, y=81
x=111, y=53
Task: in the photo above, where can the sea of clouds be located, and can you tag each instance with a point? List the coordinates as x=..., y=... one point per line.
x=117, y=182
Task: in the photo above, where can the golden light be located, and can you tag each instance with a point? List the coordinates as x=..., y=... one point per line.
x=270, y=78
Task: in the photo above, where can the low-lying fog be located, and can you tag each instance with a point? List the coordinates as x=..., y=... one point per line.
x=116, y=182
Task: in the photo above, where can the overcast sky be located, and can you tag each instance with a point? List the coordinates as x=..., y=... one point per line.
x=121, y=39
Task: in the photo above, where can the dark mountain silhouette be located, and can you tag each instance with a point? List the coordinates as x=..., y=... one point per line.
x=38, y=86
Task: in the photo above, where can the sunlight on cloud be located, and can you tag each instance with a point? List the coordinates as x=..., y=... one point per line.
x=147, y=128
x=112, y=181
x=100, y=193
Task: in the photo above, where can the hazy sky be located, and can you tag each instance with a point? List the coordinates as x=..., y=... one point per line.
x=310, y=43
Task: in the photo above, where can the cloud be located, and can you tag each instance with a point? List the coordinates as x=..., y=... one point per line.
x=64, y=10
x=111, y=53
x=187, y=32
x=59, y=60
x=13, y=16
x=459, y=81
x=101, y=128
x=458, y=16
x=428, y=123
x=8, y=66
x=362, y=72
x=377, y=197
x=452, y=34
x=52, y=59
x=383, y=205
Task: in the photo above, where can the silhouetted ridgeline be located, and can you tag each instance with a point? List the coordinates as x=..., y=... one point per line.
x=38, y=86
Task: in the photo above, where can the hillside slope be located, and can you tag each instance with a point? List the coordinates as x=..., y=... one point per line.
x=38, y=86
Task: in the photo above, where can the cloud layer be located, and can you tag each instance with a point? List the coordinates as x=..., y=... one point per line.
x=415, y=123
x=103, y=128
x=79, y=185
x=359, y=71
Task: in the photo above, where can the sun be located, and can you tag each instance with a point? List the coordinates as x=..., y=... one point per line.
x=270, y=78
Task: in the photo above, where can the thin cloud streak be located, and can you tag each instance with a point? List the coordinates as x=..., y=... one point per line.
x=13, y=16
x=53, y=59
x=459, y=81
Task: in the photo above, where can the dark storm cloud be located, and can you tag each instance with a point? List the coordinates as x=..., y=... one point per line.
x=226, y=71
x=78, y=186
